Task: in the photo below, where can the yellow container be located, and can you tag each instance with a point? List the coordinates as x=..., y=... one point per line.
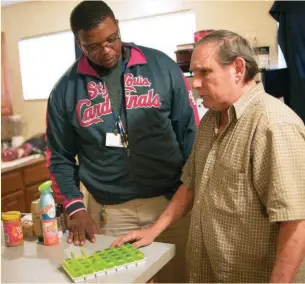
x=12, y=228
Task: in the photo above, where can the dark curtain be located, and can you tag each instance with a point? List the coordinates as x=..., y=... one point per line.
x=291, y=38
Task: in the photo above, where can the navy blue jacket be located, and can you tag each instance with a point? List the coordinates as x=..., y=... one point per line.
x=161, y=127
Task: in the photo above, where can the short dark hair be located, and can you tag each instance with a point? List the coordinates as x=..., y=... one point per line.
x=88, y=15
x=231, y=46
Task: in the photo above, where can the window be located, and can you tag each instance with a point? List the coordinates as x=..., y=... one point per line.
x=280, y=57
x=43, y=60
x=162, y=32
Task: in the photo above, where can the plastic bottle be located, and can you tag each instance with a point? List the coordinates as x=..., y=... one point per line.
x=36, y=217
x=12, y=228
x=60, y=220
x=48, y=215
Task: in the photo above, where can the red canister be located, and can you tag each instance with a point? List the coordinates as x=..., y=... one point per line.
x=200, y=34
x=12, y=228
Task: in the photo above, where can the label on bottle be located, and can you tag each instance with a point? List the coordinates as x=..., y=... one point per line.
x=13, y=232
x=48, y=212
x=50, y=232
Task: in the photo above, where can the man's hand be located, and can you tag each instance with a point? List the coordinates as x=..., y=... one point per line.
x=178, y=207
x=139, y=238
x=80, y=226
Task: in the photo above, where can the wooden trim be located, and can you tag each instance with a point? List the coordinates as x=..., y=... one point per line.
x=6, y=104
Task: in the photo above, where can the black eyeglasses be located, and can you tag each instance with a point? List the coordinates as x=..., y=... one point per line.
x=111, y=41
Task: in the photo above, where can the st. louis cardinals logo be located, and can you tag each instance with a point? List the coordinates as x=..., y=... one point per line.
x=89, y=113
x=131, y=82
x=191, y=98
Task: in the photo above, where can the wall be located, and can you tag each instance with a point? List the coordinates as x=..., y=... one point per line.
x=43, y=17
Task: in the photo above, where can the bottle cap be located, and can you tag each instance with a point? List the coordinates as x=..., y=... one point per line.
x=10, y=216
x=45, y=186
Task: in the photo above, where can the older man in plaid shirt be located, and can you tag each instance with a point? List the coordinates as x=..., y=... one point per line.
x=245, y=178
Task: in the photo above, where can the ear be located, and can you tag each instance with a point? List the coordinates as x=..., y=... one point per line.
x=79, y=45
x=240, y=69
x=117, y=21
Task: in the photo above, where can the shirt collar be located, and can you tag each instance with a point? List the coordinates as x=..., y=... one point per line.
x=247, y=98
x=136, y=58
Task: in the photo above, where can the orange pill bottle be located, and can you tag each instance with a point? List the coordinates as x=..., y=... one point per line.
x=12, y=227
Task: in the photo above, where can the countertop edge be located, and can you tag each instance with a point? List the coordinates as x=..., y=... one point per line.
x=23, y=165
x=157, y=266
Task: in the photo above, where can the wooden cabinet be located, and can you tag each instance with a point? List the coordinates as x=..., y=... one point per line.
x=35, y=174
x=6, y=105
x=14, y=201
x=11, y=182
x=19, y=187
x=32, y=193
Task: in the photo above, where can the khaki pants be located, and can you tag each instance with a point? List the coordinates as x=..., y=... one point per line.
x=141, y=213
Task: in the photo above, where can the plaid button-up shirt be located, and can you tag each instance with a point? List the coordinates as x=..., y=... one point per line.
x=245, y=181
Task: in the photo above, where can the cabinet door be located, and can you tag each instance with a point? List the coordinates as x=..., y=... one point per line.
x=14, y=202
x=6, y=106
x=36, y=173
x=11, y=182
x=32, y=193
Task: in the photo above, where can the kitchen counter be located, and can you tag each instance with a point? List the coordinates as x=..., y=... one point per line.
x=37, y=263
x=22, y=162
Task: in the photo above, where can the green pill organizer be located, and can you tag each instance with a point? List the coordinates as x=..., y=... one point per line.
x=102, y=262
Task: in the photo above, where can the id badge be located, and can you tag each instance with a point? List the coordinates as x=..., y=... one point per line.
x=114, y=140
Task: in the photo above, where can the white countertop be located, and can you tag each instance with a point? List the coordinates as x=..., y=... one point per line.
x=37, y=263
x=19, y=162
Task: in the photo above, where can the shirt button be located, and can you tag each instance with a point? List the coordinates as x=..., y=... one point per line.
x=198, y=201
x=197, y=227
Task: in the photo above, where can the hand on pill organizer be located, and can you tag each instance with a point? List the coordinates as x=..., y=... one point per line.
x=81, y=226
x=138, y=238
